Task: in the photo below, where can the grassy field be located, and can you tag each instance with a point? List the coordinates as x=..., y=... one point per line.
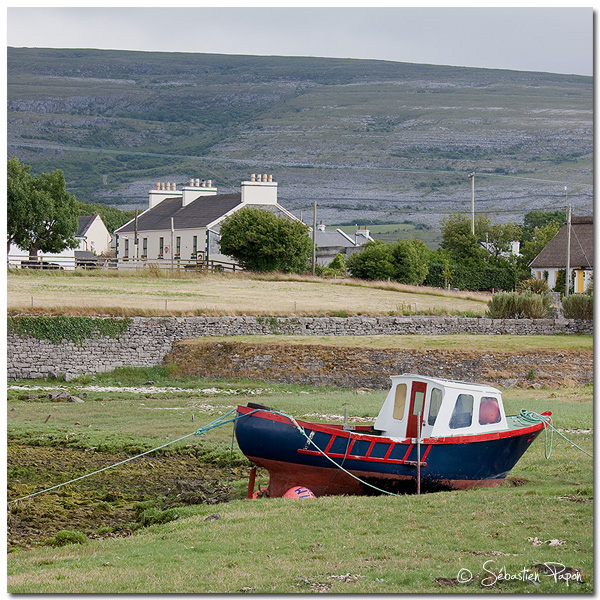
x=391, y=232
x=500, y=343
x=384, y=544
x=79, y=292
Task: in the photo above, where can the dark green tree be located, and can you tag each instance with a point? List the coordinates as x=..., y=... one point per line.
x=459, y=243
x=539, y=218
x=374, y=262
x=41, y=213
x=261, y=241
x=538, y=241
x=412, y=259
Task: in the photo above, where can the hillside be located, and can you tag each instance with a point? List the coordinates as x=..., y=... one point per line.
x=369, y=140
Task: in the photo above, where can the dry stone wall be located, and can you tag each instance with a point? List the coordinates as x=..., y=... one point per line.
x=149, y=339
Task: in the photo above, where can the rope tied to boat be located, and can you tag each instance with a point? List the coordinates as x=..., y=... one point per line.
x=221, y=420
x=530, y=417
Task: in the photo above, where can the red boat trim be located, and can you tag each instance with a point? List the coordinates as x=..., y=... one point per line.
x=426, y=453
x=410, y=447
x=454, y=439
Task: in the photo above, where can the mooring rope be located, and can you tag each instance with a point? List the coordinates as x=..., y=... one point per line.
x=528, y=416
x=303, y=432
x=525, y=415
x=202, y=431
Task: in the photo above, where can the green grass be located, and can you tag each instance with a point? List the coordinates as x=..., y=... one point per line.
x=379, y=544
x=500, y=343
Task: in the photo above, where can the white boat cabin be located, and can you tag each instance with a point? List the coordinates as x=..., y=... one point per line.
x=447, y=408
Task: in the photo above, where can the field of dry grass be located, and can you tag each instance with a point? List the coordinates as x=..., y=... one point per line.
x=106, y=293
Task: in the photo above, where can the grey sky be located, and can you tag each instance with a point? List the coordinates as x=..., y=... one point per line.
x=557, y=40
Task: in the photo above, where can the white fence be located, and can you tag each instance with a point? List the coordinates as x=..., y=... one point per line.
x=70, y=263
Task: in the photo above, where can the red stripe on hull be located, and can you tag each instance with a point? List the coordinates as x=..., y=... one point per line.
x=324, y=481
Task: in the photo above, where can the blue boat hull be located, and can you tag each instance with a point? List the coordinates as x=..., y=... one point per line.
x=371, y=462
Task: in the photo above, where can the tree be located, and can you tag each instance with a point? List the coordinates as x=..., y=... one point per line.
x=412, y=259
x=457, y=240
x=539, y=218
x=538, y=241
x=41, y=213
x=261, y=241
x=375, y=262
x=499, y=237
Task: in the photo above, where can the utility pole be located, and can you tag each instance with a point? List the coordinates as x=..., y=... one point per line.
x=472, y=178
x=314, y=232
x=172, y=236
x=136, y=239
x=568, y=270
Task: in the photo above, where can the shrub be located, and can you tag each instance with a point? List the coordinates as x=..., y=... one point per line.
x=579, y=306
x=535, y=306
x=504, y=305
x=534, y=285
x=510, y=305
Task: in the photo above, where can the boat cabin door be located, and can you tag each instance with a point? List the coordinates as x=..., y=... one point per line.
x=417, y=405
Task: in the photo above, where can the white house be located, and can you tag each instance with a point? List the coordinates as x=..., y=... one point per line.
x=92, y=235
x=553, y=257
x=184, y=224
x=331, y=242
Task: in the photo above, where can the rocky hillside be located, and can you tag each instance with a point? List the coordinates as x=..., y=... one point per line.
x=367, y=139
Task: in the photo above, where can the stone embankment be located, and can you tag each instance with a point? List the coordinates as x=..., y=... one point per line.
x=318, y=364
x=148, y=340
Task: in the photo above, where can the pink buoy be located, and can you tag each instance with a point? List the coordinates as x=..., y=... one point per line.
x=299, y=492
x=489, y=412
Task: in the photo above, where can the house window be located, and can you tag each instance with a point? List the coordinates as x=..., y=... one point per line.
x=400, y=401
x=463, y=412
x=126, y=254
x=195, y=247
x=178, y=247
x=161, y=247
x=144, y=247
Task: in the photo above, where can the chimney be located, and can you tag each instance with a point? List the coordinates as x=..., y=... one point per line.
x=163, y=190
x=197, y=188
x=261, y=189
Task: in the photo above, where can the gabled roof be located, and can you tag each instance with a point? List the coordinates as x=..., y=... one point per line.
x=333, y=238
x=554, y=254
x=197, y=214
x=84, y=224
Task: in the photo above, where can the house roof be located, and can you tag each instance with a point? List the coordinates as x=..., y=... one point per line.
x=554, y=254
x=333, y=238
x=197, y=214
x=84, y=224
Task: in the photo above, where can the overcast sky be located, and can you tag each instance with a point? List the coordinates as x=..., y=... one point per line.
x=556, y=40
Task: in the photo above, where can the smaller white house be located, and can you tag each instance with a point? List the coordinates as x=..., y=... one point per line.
x=92, y=235
x=184, y=224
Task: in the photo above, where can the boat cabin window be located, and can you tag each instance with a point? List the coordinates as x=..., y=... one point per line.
x=462, y=415
x=400, y=401
x=489, y=411
x=434, y=405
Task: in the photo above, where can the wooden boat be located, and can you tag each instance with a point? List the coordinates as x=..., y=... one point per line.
x=431, y=434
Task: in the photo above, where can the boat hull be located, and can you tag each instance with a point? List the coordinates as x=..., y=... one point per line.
x=372, y=463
